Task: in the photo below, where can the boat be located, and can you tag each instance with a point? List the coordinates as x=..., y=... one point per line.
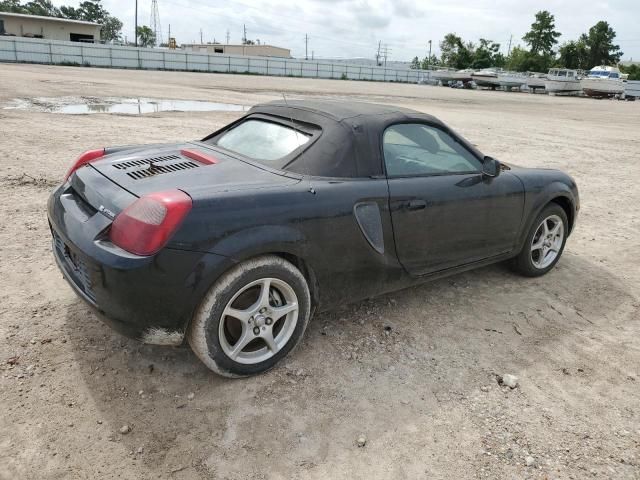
x=462, y=75
x=487, y=77
x=511, y=80
x=603, y=81
x=445, y=75
x=562, y=81
x=536, y=81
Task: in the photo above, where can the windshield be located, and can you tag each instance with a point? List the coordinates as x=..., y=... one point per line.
x=262, y=140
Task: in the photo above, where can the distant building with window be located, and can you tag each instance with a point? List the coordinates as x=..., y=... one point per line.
x=51, y=28
x=251, y=50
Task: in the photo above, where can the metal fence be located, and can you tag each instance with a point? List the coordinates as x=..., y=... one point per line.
x=53, y=52
x=632, y=88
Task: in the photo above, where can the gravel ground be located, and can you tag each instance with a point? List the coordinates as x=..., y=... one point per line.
x=402, y=386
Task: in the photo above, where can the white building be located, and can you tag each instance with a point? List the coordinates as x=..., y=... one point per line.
x=52, y=28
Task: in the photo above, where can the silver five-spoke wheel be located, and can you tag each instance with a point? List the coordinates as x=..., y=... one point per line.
x=258, y=321
x=251, y=317
x=547, y=241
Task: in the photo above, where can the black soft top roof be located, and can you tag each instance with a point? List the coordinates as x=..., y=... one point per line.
x=349, y=144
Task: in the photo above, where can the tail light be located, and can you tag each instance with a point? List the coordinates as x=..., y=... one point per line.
x=87, y=157
x=145, y=226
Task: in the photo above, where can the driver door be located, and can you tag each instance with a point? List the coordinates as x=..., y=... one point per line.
x=445, y=212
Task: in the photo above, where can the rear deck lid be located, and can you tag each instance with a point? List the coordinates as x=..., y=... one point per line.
x=195, y=168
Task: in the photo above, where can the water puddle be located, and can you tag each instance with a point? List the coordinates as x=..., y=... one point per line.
x=117, y=105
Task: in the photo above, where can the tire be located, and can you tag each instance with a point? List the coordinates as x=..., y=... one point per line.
x=539, y=255
x=238, y=331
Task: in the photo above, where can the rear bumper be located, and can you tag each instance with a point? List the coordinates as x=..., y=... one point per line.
x=151, y=299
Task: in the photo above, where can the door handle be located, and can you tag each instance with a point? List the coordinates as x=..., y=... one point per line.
x=416, y=205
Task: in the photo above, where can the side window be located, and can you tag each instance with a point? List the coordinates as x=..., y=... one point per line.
x=417, y=149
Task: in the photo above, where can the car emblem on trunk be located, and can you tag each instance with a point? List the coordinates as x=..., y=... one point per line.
x=106, y=212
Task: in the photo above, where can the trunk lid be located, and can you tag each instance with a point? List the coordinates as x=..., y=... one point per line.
x=194, y=168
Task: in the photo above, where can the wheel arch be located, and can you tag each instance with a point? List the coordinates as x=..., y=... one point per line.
x=569, y=208
x=293, y=256
x=557, y=193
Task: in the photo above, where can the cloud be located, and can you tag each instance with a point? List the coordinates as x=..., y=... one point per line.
x=407, y=9
x=371, y=16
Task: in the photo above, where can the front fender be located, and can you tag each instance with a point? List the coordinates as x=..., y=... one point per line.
x=535, y=201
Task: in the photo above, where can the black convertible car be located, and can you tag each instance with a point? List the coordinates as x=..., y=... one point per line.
x=234, y=241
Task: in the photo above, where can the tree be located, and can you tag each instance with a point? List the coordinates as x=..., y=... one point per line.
x=428, y=63
x=146, y=36
x=70, y=12
x=415, y=63
x=455, y=53
x=486, y=54
x=599, y=42
x=92, y=11
x=518, y=59
x=11, y=6
x=111, y=28
x=44, y=8
x=633, y=71
x=574, y=54
x=542, y=36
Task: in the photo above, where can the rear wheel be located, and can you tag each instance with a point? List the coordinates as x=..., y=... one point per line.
x=545, y=243
x=252, y=317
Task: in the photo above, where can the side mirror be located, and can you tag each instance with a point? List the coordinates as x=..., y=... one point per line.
x=490, y=167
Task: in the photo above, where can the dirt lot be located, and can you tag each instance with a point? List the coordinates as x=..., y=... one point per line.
x=424, y=394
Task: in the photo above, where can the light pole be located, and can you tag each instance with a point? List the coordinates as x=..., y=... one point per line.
x=429, y=57
x=135, y=33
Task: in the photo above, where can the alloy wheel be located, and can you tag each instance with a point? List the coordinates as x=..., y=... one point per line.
x=547, y=242
x=258, y=321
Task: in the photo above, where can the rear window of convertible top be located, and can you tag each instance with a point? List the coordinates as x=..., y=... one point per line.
x=262, y=140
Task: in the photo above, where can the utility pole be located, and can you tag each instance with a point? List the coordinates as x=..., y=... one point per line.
x=228, y=36
x=509, y=51
x=385, y=52
x=306, y=46
x=135, y=33
x=429, y=57
x=377, y=54
x=201, y=37
x=244, y=35
x=312, y=54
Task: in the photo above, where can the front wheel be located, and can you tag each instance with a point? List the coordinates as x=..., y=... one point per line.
x=252, y=317
x=545, y=242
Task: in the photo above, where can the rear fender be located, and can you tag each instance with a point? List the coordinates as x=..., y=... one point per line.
x=281, y=240
x=254, y=241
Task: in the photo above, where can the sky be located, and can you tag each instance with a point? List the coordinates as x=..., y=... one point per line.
x=353, y=28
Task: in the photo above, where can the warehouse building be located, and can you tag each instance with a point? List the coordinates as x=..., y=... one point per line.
x=51, y=28
x=251, y=50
